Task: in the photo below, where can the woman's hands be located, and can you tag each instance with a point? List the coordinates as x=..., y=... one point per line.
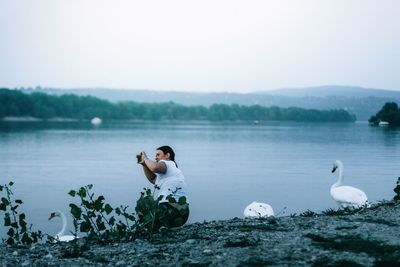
x=141, y=157
x=151, y=165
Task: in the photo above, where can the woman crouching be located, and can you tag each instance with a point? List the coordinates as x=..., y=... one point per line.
x=170, y=189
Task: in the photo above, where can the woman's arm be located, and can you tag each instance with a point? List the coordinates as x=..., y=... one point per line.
x=154, y=166
x=149, y=174
x=151, y=167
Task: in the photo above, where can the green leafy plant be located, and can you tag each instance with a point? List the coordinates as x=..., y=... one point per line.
x=99, y=220
x=147, y=210
x=397, y=190
x=18, y=232
x=94, y=217
x=152, y=216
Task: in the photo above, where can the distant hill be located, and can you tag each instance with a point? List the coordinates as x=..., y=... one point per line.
x=359, y=101
x=333, y=90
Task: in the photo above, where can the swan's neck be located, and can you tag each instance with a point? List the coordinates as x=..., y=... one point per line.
x=64, y=224
x=340, y=179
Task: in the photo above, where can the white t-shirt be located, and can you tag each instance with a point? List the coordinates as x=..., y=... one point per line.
x=170, y=182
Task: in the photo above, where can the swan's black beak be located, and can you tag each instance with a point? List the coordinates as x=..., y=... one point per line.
x=334, y=169
x=52, y=215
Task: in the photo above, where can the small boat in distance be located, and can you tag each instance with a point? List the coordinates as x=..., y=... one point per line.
x=96, y=121
x=383, y=123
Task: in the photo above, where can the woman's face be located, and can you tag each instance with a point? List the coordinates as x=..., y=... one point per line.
x=160, y=155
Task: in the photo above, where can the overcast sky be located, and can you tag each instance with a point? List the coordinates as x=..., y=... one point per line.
x=216, y=45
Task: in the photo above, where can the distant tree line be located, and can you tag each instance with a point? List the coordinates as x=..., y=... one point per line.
x=390, y=113
x=44, y=106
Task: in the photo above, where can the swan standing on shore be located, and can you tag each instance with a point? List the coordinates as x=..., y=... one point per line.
x=256, y=209
x=60, y=236
x=346, y=196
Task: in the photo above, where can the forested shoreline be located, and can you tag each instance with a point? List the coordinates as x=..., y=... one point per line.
x=389, y=113
x=14, y=103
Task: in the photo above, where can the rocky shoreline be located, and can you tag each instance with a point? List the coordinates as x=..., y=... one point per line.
x=370, y=237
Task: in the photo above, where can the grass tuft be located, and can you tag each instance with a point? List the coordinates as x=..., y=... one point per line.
x=308, y=213
x=341, y=212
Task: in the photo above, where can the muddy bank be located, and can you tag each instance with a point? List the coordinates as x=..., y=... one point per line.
x=371, y=237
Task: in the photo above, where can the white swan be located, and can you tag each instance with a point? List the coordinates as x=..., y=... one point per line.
x=256, y=209
x=96, y=121
x=60, y=236
x=346, y=196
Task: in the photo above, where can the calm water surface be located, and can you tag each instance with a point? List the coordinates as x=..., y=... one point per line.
x=227, y=166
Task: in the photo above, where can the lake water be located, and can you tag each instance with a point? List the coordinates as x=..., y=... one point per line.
x=227, y=166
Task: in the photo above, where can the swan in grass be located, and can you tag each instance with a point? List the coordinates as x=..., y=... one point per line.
x=256, y=209
x=344, y=195
x=60, y=236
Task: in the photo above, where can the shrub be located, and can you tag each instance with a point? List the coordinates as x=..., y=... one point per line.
x=99, y=220
x=18, y=232
x=397, y=190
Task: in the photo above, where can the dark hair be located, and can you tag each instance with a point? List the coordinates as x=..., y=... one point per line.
x=168, y=149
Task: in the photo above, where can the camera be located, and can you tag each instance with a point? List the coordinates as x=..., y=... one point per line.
x=139, y=158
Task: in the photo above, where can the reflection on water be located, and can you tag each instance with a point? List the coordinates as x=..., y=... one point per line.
x=227, y=166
